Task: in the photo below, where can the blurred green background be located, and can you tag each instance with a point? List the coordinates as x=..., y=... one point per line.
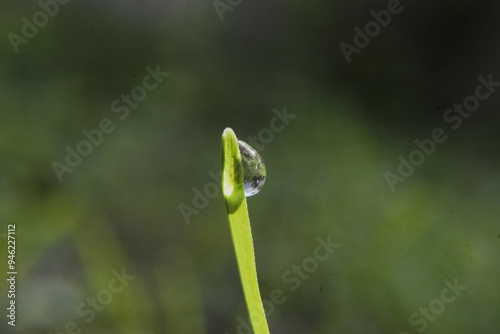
x=121, y=207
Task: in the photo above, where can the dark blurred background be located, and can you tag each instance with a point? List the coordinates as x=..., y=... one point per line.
x=143, y=201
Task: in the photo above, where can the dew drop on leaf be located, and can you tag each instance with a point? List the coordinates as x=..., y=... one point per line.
x=254, y=170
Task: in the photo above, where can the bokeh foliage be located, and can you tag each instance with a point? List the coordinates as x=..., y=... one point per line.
x=119, y=207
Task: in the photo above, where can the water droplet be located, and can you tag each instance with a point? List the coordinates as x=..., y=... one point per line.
x=254, y=170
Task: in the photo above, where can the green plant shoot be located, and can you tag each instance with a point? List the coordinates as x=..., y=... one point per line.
x=241, y=233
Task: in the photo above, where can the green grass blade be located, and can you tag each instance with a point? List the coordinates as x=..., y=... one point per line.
x=239, y=223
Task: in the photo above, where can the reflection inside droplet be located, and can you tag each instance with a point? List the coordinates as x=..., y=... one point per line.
x=254, y=171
